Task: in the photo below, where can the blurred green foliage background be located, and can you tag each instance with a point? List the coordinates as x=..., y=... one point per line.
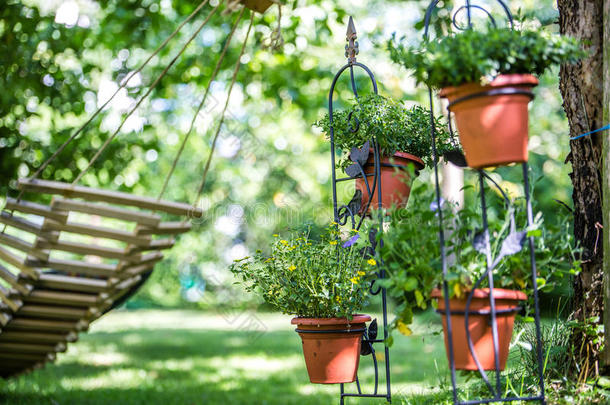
x=60, y=60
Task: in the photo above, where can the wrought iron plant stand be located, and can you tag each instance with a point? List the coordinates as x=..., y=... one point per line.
x=515, y=239
x=348, y=212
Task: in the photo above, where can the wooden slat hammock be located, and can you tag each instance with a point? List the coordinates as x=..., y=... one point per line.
x=65, y=263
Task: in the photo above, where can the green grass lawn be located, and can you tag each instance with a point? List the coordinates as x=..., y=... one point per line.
x=186, y=357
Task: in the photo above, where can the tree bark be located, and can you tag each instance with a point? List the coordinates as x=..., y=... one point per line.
x=581, y=86
x=606, y=179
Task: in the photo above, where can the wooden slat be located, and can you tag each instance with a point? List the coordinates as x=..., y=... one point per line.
x=28, y=357
x=165, y=228
x=5, y=318
x=157, y=244
x=22, y=245
x=135, y=271
x=84, y=249
x=14, y=281
x=78, y=284
x=143, y=218
x=33, y=337
x=98, y=232
x=113, y=197
x=63, y=298
x=19, y=263
x=44, y=325
x=28, y=207
x=12, y=303
x=148, y=258
x=31, y=348
x=75, y=266
x=53, y=312
x=23, y=224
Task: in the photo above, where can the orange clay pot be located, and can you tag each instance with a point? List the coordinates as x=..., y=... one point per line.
x=395, y=180
x=331, y=357
x=493, y=130
x=480, y=327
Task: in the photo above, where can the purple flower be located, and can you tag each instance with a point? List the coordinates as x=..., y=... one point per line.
x=434, y=204
x=351, y=240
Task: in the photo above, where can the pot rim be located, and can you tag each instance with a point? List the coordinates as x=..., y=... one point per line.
x=357, y=318
x=499, y=294
x=503, y=80
x=403, y=155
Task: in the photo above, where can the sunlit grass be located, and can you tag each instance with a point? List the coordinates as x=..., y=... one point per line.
x=189, y=357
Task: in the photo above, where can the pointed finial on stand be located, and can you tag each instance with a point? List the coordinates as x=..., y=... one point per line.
x=351, y=49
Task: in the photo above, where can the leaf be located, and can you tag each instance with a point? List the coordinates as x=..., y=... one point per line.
x=536, y=233
x=457, y=291
x=456, y=157
x=403, y=328
x=419, y=298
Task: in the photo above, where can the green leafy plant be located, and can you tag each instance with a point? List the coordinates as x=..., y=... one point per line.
x=411, y=252
x=396, y=128
x=325, y=278
x=470, y=56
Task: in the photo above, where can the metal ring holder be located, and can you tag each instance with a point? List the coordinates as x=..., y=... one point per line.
x=349, y=211
x=496, y=395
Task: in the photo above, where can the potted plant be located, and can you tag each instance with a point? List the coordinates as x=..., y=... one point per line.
x=403, y=137
x=488, y=77
x=414, y=276
x=324, y=283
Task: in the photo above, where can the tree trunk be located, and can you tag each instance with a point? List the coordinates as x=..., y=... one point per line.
x=606, y=180
x=581, y=86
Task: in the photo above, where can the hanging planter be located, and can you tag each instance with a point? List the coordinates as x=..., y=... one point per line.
x=396, y=179
x=402, y=137
x=479, y=325
x=492, y=120
x=323, y=282
x=487, y=77
x=331, y=347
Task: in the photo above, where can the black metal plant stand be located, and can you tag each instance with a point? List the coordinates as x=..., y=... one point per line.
x=496, y=392
x=349, y=211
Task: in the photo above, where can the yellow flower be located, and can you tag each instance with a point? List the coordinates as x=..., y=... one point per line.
x=355, y=280
x=403, y=328
x=292, y=268
x=333, y=242
x=361, y=273
x=284, y=242
x=338, y=299
x=372, y=262
x=275, y=235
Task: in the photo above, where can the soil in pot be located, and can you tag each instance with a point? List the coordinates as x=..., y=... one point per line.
x=395, y=180
x=507, y=305
x=331, y=347
x=493, y=129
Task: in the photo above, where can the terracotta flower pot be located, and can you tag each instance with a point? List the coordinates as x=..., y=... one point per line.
x=493, y=129
x=331, y=347
x=395, y=184
x=507, y=305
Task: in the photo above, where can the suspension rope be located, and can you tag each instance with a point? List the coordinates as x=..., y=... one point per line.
x=201, y=104
x=150, y=89
x=122, y=86
x=222, y=117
